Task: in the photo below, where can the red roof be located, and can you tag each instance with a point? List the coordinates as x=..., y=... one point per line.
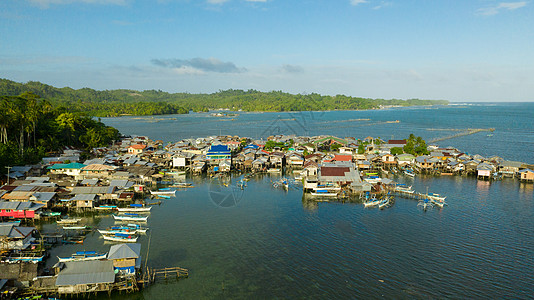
x=343, y=157
x=138, y=146
x=397, y=142
x=334, y=171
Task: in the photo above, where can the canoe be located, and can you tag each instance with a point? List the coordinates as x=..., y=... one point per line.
x=130, y=217
x=83, y=255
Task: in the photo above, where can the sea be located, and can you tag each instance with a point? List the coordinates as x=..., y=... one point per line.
x=262, y=242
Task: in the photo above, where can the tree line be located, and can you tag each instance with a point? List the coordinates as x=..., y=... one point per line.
x=155, y=102
x=31, y=126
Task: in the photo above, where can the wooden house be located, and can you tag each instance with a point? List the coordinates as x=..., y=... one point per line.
x=126, y=258
x=527, y=175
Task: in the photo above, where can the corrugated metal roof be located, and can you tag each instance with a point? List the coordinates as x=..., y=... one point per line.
x=93, y=189
x=83, y=197
x=121, y=251
x=86, y=272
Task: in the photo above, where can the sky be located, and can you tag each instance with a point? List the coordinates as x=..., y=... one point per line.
x=457, y=50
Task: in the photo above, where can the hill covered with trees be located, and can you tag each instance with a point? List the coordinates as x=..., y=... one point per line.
x=30, y=127
x=151, y=102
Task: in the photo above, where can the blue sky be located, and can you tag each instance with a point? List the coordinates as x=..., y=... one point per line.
x=475, y=50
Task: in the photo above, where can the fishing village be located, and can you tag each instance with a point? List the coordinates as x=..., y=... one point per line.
x=136, y=175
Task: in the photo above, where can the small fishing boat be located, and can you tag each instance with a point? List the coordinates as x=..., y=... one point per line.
x=137, y=227
x=323, y=193
x=106, y=207
x=68, y=221
x=425, y=204
x=122, y=238
x=182, y=185
x=436, y=197
x=75, y=227
x=409, y=173
x=404, y=189
x=384, y=202
x=371, y=202
x=135, y=208
x=84, y=255
x=274, y=170
x=118, y=229
x=25, y=258
x=130, y=217
x=164, y=193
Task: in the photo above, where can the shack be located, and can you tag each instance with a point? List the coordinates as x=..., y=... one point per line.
x=86, y=276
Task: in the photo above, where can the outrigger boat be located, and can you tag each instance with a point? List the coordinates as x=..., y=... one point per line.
x=119, y=237
x=106, y=207
x=117, y=229
x=371, y=202
x=164, y=193
x=409, y=173
x=436, y=197
x=425, y=204
x=75, y=227
x=135, y=208
x=130, y=217
x=384, y=202
x=404, y=189
x=32, y=259
x=323, y=193
x=68, y=221
x=84, y=255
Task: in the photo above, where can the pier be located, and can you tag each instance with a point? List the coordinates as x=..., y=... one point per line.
x=468, y=131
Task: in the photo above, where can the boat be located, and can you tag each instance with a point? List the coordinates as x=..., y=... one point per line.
x=138, y=228
x=75, y=227
x=135, y=208
x=409, y=173
x=425, y=204
x=23, y=258
x=106, y=207
x=118, y=229
x=371, y=202
x=384, y=202
x=182, y=185
x=164, y=193
x=119, y=237
x=68, y=221
x=274, y=170
x=323, y=193
x=130, y=217
x=436, y=197
x=404, y=189
x=84, y=255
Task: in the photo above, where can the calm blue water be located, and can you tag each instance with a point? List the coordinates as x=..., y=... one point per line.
x=277, y=244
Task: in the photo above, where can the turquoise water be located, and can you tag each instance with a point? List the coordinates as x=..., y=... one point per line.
x=277, y=244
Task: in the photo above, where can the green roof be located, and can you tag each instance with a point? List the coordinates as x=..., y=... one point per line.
x=73, y=165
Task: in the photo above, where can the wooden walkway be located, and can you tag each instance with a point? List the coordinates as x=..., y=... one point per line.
x=468, y=131
x=153, y=275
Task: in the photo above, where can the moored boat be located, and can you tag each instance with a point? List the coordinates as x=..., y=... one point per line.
x=119, y=237
x=135, y=208
x=68, y=221
x=106, y=207
x=164, y=193
x=83, y=255
x=130, y=217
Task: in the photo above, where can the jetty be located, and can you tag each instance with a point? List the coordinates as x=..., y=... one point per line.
x=468, y=131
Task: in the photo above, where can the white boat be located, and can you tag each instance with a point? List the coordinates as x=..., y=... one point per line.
x=117, y=229
x=409, y=173
x=323, y=193
x=68, y=221
x=425, y=204
x=137, y=228
x=32, y=259
x=371, y=202
x=164, y=193
x=436, y=197
x=274, y=170
x=384, y=203
x=106, y=207
x=131, y=217
x=121, y=238
x=135, y=208
x=84, y=255
x=74, y=227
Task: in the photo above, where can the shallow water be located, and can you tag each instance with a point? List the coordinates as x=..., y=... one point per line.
x=263, y=242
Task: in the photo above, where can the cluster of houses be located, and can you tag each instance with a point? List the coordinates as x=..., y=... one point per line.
x=132, y=165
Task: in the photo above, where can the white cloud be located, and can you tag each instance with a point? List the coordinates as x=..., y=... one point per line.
x=382, y=5
x=493, y=10
x=356, y=2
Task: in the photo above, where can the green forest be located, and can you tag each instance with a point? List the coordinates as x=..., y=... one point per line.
x=119, y=102
x=31, y=127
